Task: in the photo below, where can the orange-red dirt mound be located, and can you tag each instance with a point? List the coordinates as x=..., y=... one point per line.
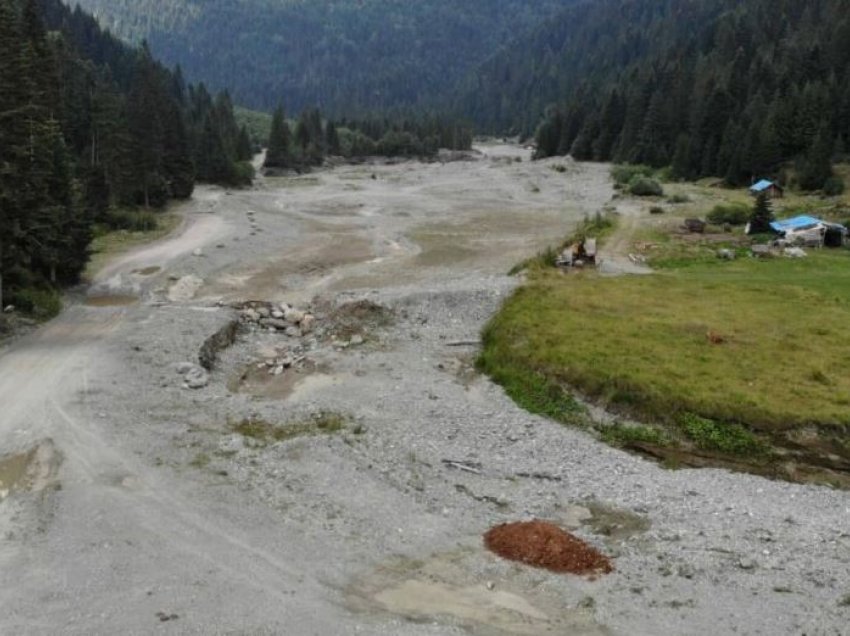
x=544, y=545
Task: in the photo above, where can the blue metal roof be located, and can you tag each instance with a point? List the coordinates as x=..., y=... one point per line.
x=795, y=223
x=762, y=185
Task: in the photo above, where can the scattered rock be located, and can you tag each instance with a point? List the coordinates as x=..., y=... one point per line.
x=198, y=252
x=726, y=255
x=196, y=378
x=307, y=324
x=761, y=251
x=356, y=340
x=795, y=252
x=746, y=564
x=9, y=309
x=293, y=316
x=183, y=368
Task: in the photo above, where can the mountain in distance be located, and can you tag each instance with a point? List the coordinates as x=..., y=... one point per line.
x=348, y=57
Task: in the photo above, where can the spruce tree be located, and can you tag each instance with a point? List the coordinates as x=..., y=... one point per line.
x=279, y=152
x=762, y=215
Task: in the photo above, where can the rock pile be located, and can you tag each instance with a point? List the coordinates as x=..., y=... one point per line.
x=284, y=361
x=285, y=318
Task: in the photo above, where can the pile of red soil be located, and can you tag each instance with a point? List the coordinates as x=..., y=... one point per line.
x=544, y=545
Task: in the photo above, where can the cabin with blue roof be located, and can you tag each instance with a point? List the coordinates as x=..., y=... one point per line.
x=771, y=188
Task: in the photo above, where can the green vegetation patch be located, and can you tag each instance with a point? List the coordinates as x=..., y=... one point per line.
x=758, y=343
x=109, y=243
x=322, y=423
x=722, y=437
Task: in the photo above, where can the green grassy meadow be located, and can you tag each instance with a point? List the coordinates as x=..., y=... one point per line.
x=756, y=343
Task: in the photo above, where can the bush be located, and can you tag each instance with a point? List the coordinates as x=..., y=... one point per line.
x=39, y=303
x=722, y=437
x=731, y=213
x=243, y=173
x=679, y=198
x=625, y=173
x=645, y=187
x=655, y=209
x=132, y=220
x=833, y=187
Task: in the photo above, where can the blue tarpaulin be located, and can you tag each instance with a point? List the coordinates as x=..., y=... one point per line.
x=795, y=223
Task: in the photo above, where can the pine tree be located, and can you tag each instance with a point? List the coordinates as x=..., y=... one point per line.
x=762, y=215
x=279, y=152
x=332, y=139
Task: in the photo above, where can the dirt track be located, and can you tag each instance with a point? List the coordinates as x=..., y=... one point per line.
x=142, y=511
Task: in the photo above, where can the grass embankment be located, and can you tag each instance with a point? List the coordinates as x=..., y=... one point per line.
x=729, y=358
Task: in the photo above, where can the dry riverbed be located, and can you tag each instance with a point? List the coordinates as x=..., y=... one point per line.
x=349, y=492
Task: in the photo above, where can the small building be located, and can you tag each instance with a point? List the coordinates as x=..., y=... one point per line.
x=771, y=188
x=809, y=231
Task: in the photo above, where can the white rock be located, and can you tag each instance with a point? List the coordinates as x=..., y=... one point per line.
x=198, y=252
x=356, y=340
x=307, y=323
x=183, y=368
x=250, y=315
x=293, y=316
x=293, y=332
x=197, y=378
x=277, y=314
x=9, y=309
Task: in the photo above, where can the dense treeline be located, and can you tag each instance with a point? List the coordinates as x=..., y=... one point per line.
x=711, y=87
x=89, y=126
x=313, y=138
x=350, y=57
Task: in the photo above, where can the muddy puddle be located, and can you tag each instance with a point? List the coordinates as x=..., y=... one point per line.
x=31, y=471
x=111, y=300
x=257, y=382
x=445, y=589
x=147, y=271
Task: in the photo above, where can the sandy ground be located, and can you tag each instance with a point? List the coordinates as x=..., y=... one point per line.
x=128, y=504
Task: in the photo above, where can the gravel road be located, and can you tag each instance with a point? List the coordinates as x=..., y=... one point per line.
x=131, y=505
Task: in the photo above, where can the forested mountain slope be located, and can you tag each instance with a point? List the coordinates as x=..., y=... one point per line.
x=714, y=87
x=348, y=57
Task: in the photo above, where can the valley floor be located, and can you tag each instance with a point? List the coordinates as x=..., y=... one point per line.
x=129, y=504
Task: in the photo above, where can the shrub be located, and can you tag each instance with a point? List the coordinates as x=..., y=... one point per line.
x=243, y=173
x=833, y=187
x=679, y=198
x=559, y=167
x=625, y=173
x=645, y=187
x=132, y=220
x=39, y=303
x=655, y=209
x=722, y=437
x=731, y=213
